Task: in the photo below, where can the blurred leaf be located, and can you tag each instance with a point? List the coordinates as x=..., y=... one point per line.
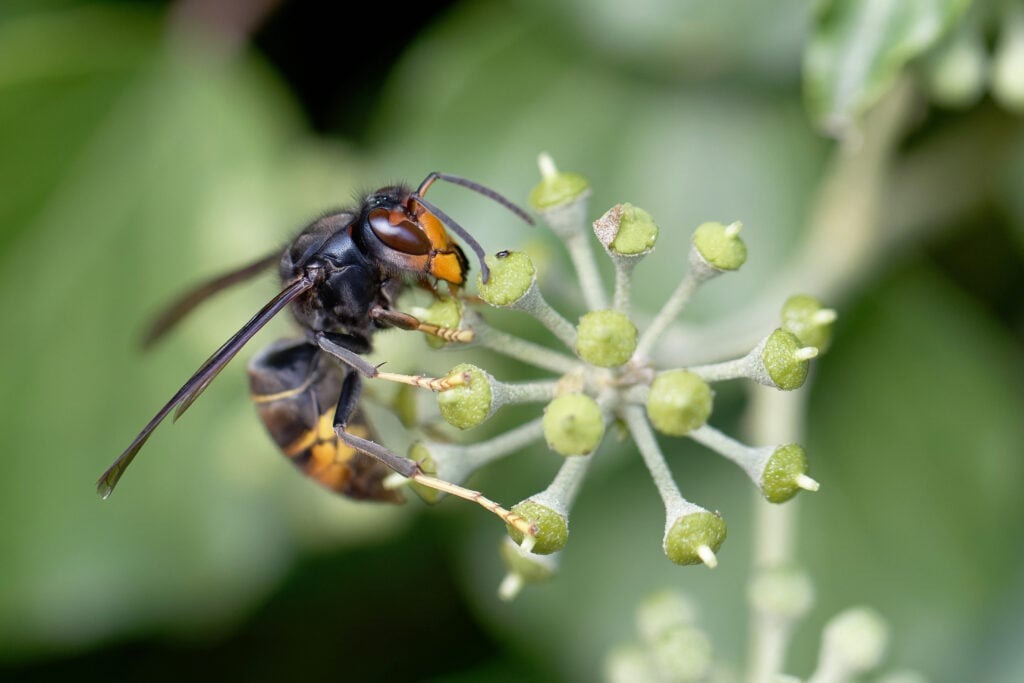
x=685, y=40
x=162, y=163
x=57, y=82
x=858, y=48
x=915, y=434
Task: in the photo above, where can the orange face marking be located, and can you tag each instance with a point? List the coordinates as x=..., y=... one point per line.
x=448, y=267
x=444, y=262
x=434, y=229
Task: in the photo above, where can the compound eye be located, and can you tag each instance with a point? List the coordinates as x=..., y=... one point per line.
x=396, y=231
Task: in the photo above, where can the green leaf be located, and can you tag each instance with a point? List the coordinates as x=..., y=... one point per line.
x=139, y=165
x=858, y=48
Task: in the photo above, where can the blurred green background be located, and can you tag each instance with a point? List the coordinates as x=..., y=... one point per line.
x=144, y=146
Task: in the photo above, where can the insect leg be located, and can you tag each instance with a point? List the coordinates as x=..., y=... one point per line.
x=340, y=346
x=407, y=467
x=409, y=322
x=329, y=343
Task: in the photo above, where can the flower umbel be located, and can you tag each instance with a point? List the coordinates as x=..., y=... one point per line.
x=670, y=644
x=604, y=375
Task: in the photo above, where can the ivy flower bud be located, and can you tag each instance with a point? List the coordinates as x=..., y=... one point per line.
x=781, y=592
x=512, y=276
x=784, y=361
x=779, y=471
x=854, y=641
x=469, y=404
x=678, y=402
x=573, y=424
x=556, y=188
x=626, y=230
x=605, y=338
x=444, y=312
x=629, y=663
x=552, y=527
x=664, y=610
x=785, y=473
x=694, y=537
x=420, y=452
x=523, y=567
x=719, y=246
x=561, y=198
x=811, y=323
x=682, y=653
x=405, y=407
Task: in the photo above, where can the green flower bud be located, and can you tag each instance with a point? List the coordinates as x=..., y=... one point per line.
x=682, y=653
x=664, y=610
x=785, y=473
x=419, y=452
x=856, y=639
x=786, y=360
x=629, y=663
x=678, y=402
x=512, y=275
x=811, y=323
x=720, y=245
x=524, y=567
x=605, y=338
x=445, y=312
x=695, y=537
x=573, y=424
x=626, y=230
x=637, y=232
x=467, y=405
x=552, y=527
x=557, y=188
x=781, y=591
x=405, y=407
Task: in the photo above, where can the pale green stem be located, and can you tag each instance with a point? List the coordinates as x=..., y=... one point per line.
x=675, y=304
x=534, y=304
x=479, y=454
x=525, y=392
x=773, y=417
x=740, y=453
x=623, y=283
x=718, y=372
x=647, y=444
x=455, y=462
x=523, y=350
x=563, y=488
x=770, y=640
x=583, y=261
